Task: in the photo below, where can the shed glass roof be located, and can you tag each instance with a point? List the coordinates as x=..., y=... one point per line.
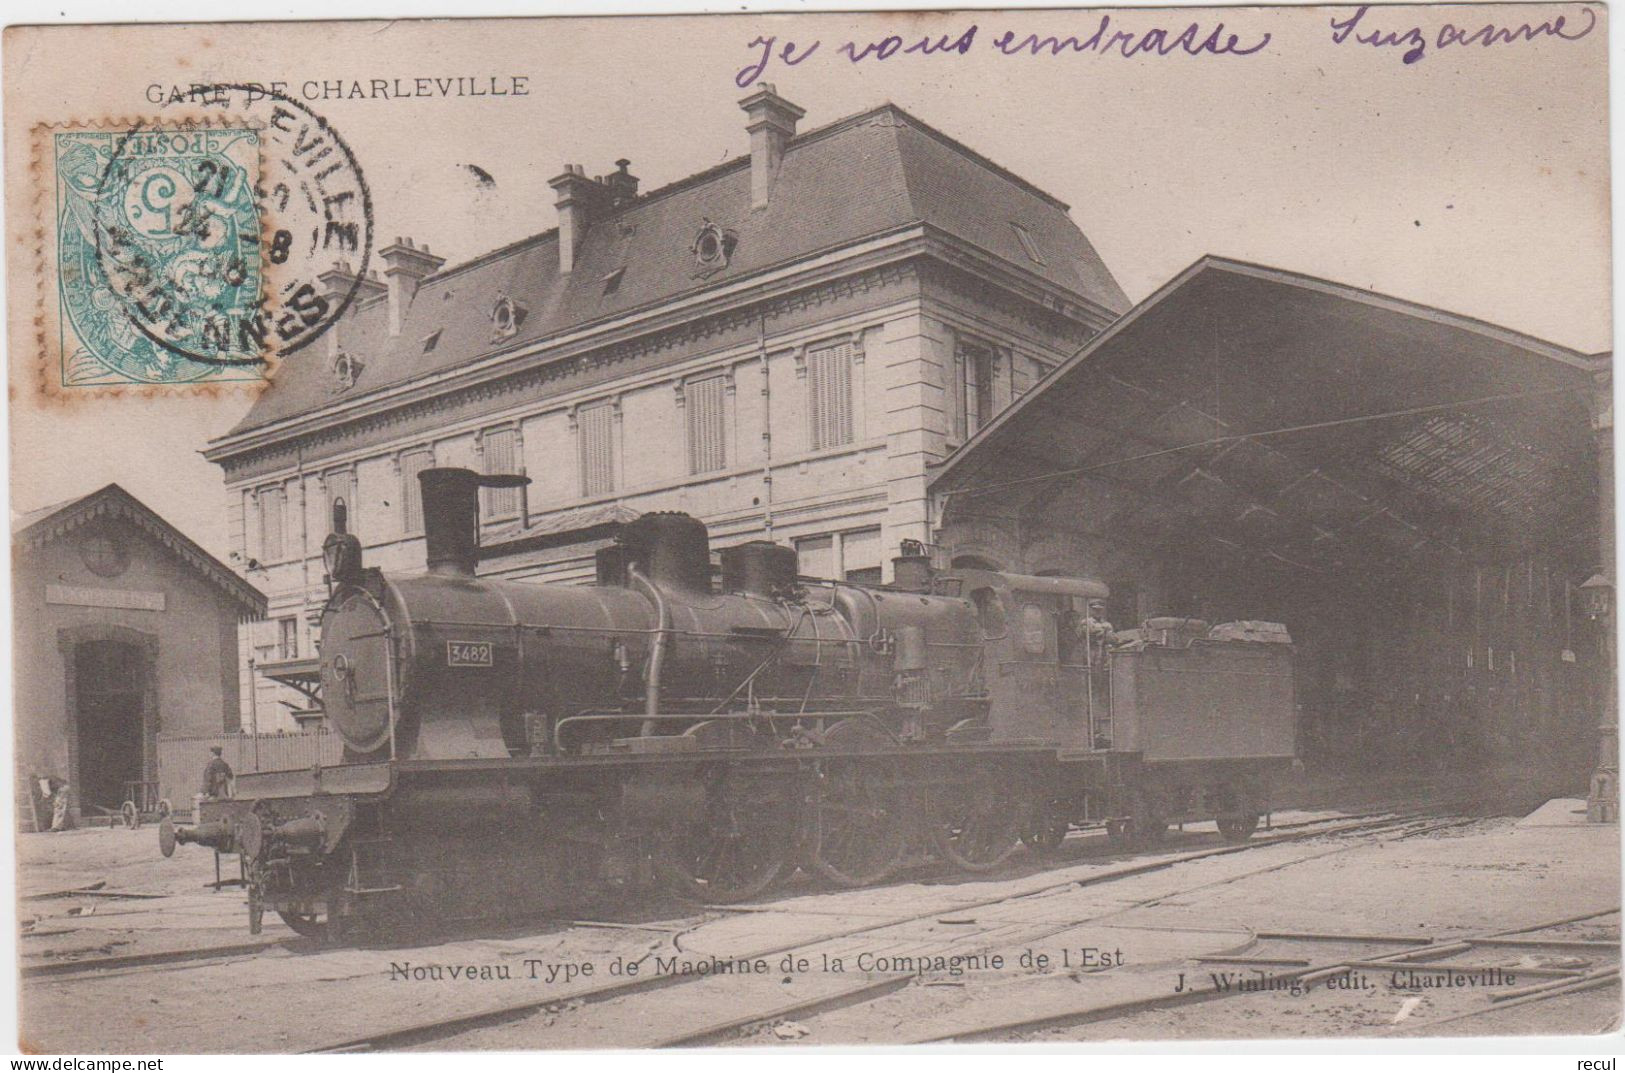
x=1291, y=418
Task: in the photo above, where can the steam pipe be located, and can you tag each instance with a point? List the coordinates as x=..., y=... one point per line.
x=657, y=658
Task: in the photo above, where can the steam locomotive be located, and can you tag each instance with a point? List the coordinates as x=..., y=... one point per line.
x=521, y=746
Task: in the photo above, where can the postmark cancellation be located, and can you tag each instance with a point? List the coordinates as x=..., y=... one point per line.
x=184, y=255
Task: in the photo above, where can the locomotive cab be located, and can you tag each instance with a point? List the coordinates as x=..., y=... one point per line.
x=1044, y=667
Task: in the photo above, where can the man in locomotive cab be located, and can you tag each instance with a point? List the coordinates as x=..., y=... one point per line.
x=1093, y=632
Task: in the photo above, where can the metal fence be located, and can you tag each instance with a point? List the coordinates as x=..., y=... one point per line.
x=181, y=758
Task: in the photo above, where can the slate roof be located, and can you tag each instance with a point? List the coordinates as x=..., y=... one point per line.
x=859, y=177
x=38, y=527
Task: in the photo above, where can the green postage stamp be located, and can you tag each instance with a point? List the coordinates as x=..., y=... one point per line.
x=157, y=238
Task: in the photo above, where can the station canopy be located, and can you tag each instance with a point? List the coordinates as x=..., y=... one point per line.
x=1253, y=412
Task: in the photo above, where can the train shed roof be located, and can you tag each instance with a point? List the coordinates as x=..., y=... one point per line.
x=1270, y=414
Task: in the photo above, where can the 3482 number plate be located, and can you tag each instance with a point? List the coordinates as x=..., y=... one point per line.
x=468, y=654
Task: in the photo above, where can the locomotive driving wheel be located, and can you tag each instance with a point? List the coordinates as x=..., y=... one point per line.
x=976, y=827
x=1143, y=828
x=1238, y=811
x=1046, y=827
x=1238, y=828
x=310, y=925
x=740, y=848
x=856, y=832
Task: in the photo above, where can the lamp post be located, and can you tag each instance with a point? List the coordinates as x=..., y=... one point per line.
x=1602, y=803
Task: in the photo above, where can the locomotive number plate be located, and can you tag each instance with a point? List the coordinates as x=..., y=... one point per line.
x=468, y=654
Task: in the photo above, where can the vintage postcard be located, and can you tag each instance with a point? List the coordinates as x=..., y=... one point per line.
x=832, y=529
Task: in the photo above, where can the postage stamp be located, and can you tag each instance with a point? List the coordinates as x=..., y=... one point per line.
x=157, y=256
x=186, y=252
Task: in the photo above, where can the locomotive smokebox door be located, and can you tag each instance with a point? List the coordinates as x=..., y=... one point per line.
x=355, y=667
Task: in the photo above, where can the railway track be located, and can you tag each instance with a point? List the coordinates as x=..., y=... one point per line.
x=576, y=1007
x=100, y=966
x=156, y=958
x=1411, y=952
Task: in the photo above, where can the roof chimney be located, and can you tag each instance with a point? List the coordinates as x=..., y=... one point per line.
x=772, y=125
x=341, y=278
x=580, y=202
x=623, y=185
x=406, y=267
x=338, y=283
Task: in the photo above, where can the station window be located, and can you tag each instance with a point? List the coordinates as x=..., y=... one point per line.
x=500, y=453
x=815, y=557
x=271, y=524
x=596, y=427
x=707, y=447
x=413, y=463
x=853, y=555
x=977, y=365
x=287, y=638
x=860, y=556
x=829, y=396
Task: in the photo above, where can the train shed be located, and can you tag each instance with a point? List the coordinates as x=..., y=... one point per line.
x=1418, y=496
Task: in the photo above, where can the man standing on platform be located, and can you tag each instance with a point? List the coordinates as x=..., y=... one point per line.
x=217, y=774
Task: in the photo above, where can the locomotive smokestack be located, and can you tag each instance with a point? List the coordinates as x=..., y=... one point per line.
x=451, y=515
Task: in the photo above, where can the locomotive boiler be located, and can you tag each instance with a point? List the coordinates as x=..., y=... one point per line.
x=511, y=744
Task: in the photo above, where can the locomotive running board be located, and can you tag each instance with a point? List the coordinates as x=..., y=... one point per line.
x=308, y=782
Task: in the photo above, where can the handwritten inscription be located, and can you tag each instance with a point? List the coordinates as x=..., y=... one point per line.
x=1127, y=43
x=1191, y=40
x=1196, y=39
x=1358, y=29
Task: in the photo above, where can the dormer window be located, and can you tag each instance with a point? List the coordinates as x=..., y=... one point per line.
x=431, y=340
x=346, y=371
x=1029, y=245
x=506, y=317
x=713, y=247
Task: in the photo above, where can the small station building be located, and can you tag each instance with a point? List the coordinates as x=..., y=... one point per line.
x=125, y=628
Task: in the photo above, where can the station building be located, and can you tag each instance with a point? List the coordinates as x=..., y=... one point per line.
x=781, y=345
x=126, y=632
